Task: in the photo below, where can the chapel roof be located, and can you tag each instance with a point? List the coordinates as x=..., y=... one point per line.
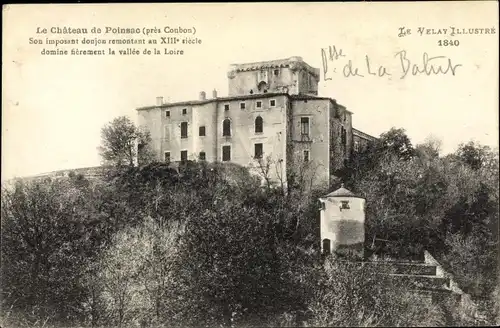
x=342, y=192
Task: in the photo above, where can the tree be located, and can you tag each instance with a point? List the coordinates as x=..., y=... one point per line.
x=136, y=273
x=122, y=142
x=397, y=142
x=393, y=143
x=203, y=244
x=447, y=205
x=473, y=154
x=50, y=231
x=429, y=149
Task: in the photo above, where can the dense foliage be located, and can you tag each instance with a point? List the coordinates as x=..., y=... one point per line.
x=122, y=142
x=205, y=245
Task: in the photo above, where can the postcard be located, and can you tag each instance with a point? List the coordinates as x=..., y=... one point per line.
x=365, y=132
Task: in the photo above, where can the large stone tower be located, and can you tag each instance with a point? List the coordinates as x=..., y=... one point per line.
x=342, y=225
x=292, y=76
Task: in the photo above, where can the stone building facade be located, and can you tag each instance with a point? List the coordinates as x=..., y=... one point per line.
x=272, y=117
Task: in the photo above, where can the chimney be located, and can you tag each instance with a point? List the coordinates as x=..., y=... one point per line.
x=159, y=101
x=203, y=95
x=214, y=94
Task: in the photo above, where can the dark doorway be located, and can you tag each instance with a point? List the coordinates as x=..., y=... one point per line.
x=326, y=246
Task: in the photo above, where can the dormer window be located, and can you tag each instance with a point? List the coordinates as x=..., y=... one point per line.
x=262, y=86
x=262, y=76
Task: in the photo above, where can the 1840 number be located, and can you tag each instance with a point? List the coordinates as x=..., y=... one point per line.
x=448, y=43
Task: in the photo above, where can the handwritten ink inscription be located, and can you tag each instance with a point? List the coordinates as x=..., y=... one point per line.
x=336, y=61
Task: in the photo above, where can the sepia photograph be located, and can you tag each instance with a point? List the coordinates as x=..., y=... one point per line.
x=250, y=165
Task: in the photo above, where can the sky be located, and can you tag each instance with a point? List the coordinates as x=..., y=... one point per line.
x=54, y=106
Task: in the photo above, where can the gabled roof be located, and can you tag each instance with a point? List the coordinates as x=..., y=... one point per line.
x=341, y=192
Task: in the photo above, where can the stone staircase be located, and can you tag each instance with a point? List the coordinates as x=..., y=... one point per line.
x=415, y=276
x=426, y=277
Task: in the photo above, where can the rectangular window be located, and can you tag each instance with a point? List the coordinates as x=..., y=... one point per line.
x=345, y=205
x=202, y=156
x=226, y=128
x=226, y=153
x=166, y=157
x=226, y=107
x=356, y=145
x=304, y=126
x=306, y=155
x=184, y=130
x=276, y=72
x=242, y=105
x=343, y=135
x=258, y=150
x=202, y=131
x=167, y=113
x=272, y=103
x=258, y=104
x=184, y=111
x=184, y=155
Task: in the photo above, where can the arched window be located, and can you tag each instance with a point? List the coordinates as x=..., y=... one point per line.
x=259, y=125
x=226, y=128
x=326, y=246
x=262, y=86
